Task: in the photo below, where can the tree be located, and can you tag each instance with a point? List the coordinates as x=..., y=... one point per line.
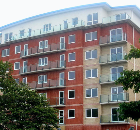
x=22, y=108
x=130, y=79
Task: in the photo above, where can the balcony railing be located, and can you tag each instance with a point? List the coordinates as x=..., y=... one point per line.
x=60, y=83
x=112, y=39
x=52, y=65
x=111, y=119
x=112, y=58
x=109, y=78
x=115, y=18
x=42, y=31
x=114, y=98
x=57, y=101
x=36, y=51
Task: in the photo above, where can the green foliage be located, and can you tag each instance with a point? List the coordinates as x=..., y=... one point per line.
x=131, y=109
x=130, y=80
x=134, y=53
x=22, y=108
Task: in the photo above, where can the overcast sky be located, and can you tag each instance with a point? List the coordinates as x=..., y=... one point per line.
x=14, y=10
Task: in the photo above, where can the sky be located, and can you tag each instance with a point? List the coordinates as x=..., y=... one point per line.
x=15, y=10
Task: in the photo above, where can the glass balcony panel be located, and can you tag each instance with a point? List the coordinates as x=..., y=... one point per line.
x=61, y=82
x=57, y=28
x=113, y=18
x=103, y=59
x=37, y=32
x=62, y=46
x=105, y=78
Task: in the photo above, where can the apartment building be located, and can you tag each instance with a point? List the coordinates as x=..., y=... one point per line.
x=73, y=56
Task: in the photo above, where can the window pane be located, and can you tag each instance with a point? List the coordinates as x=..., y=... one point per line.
x=75, y=21
x=94, y=92
x=6, y=37
x=72, y=75
x=72, y=39
x=88, y=54
x=123, y=16
x=88, y=93
x=17, y=81
x=45, y=78
x=21, y=33
x=94, y=112
x=46, y=61
x=118, y=17
x=17, y=65
x=94, y=54
x=24, y=80
x=8, y=51
x=94, y=73
x=89, y=17
x=65, y=25
x=62, y=40
x=10, y=35
x=94, y=35
x=71, y=94
x=88, y=73
x=88, y=37
x=49, y=26
x=95, y=18
x=88, y=112
x=71, y=113
x=72, y=57
x=3, y=53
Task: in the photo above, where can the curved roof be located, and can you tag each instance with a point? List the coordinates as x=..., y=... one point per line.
x=102, y=4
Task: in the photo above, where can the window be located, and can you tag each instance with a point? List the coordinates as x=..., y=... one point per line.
x=71, y=113
x=17, y=81
x=42, y=79
x=92, y=92
x=115, y=72
x=72, y=56
x=5, y=52
x=61, y=116
x=92, y=19
x=71, y=39
x=92, y=112
x=115, y=115
x=43, y=61
x=71, y=94
x=91, y=73
x=8, y=36
x=43, y=95
x=24, y=80
x=21, y=32
x=91, y=36
x=17, y=66
x=71, y=75
x=47, y=27
x=116, y=35
x=65, y=24
x=91, y=54
x=29, y=32
x=17, y=49
x=62, y=42
x=43, y=44
x=75, y=21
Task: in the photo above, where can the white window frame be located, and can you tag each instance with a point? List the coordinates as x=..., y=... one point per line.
x=68, y=114
x=45, y=44
x=48, y=27
x=60, y=39
x=68, y=76
x=16, y=63
x=91, y=93
x=68, y=39
x=90, y=54
x=69, y=57
x=73, y=19
x=91, y=112
x=8, y=34
x=89, y=21
x=91, y=73
x=5, y=52
x=116, y=34
x=44, y=62
x=90, y=36
x=16, y=51
x=68, y=94
x=92, y=20
x=17, y=79
x=25, y=79
x=61, y=116
x=44, y=78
